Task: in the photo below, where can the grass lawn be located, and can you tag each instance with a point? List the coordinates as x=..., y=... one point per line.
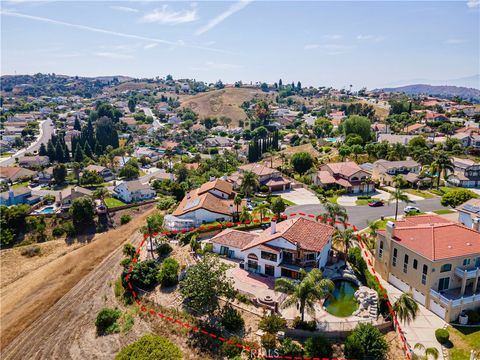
x=424, y=194
x=24, y=183
x=463, y=340
x=112, y=202
x=362, y=202
x=443, y=211
x=382, y=224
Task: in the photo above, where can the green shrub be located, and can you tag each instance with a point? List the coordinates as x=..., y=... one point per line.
x=150, y=347
x=304, y=325
x=365, y=342
x=318, y=346
x=144, y=274
x=166, y=203
x=442, y=336
x=364, y=197
x=58, y=231
x=269, y=341
x=31, y=251
x=243, y=298
x=232, y=319
x=473, y=316
x=272, y=324
x=290, y=348
x=168, y=274
x=106, y=322
x=230, y=350
x=69, y=229
x=125, y=219
x=164, y=249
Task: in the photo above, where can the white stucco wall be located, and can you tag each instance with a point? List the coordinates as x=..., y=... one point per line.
x=203, y=215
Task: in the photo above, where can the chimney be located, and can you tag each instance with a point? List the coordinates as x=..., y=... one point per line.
x=273, y=227
x=390, y=229
x=476, y=224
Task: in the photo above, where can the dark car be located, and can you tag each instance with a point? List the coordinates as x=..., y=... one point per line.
x=376, y=203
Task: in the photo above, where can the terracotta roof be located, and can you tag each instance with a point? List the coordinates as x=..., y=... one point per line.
x=234, y=238
x=194, y=201
x=347, y=168
x=218, y=184
x=436, y=238
x=414, y=127
x=325, y=177
x=277, y=181
x=12, y=172
x=308, y=234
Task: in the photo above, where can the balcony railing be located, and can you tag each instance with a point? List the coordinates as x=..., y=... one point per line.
x=457, y=300
x=471, y=273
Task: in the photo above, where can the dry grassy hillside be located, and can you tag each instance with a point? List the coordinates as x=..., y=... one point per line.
x=225, y=102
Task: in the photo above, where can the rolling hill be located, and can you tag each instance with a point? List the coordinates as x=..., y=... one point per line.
x=470, y=94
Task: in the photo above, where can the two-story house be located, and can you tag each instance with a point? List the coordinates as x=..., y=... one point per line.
x=213, y=201
x=466, y=173
x=344, y=175
x=272, y=178
x=469, y=214
x=435, y=259
x=133, y=191
x=103, y=171
x=18, y=196
x=281, y=250
x=383, y=171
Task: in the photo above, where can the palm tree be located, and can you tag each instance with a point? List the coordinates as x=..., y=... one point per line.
x=427, y=353
x=398, y=195
x=245, y=216
x=336, y=213
x=261, y=209
x=406, y=308
x=442, y=164
x=311, y=289
x=101, y=193
x=237, y=201
x=283, y=157
x=249, y=183
x=343, y=238
x=366, y=183
x=398, y=180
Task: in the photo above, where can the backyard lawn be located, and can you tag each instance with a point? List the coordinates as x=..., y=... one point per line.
x=112, y=202
x=24, y=183
x=443, y=211
x=463, y=340
x=361, y=202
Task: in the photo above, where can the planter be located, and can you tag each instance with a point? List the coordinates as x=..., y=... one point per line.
x=463, y=319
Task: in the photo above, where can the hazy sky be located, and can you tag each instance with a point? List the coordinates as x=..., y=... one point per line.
x=318, y=42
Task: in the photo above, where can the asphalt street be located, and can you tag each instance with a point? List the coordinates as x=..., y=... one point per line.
x=360, y=215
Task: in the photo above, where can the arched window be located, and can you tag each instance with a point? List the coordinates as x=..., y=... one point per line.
x=252, y=256
x=446, y=267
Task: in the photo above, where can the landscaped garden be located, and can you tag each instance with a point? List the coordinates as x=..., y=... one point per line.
x=112, y=202
x=463, y=339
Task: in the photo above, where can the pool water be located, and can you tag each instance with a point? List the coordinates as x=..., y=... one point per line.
x=48, y=210
x=343, y=302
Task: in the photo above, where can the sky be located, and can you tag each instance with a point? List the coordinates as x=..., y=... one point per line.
x=320, y=43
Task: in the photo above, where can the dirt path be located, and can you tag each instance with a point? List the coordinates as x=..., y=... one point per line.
x=44, y=313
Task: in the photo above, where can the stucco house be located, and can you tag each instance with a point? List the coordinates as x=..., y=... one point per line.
x=281, y=250
x=466, y=173
x=469, y=214
x=133, y=191
x=435, y=259
x=347, y=175
x=18, y=196
x=383, y=170
x=272, y=178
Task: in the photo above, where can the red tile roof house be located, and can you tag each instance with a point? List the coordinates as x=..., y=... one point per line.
x=281, y=250
x=435, y=259
x=272, y=178
x=347, y=175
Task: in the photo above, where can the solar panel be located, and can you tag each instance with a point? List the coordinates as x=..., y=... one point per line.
x=192, y=204
x=471, y=208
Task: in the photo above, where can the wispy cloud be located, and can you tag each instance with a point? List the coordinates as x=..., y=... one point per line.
x=374, y=38
x=330, y=49
x=223, y=16
x=455, y=41
x=112, y=55
x=167, y=16
x=108, y=32
x=212, y=65
x=473, y=3
x=150, y=46
x=124, y=9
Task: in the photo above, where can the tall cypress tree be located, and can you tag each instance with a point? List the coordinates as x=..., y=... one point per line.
x=43, y=150
x=59, y=156
x=51, y=150
x=76, y=124
x=87, y=150
x=78, y=157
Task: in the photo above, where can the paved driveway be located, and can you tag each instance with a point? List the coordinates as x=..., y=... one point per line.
x=299, y=196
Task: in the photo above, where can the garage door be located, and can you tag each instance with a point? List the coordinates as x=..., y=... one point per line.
x=398, y=283
x=437, y=309
x=419, y=297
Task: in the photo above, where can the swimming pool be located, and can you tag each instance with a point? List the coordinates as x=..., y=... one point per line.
x=47, y=210
x=343, y=302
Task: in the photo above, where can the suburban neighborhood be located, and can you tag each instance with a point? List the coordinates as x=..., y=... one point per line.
x=200, y=216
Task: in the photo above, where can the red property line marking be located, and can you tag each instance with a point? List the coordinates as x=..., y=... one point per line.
x=214, y=336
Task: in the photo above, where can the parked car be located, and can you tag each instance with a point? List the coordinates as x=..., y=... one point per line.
x=376, y=203
x=410, y=208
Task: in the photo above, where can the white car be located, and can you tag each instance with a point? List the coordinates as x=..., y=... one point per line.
x=411, y=209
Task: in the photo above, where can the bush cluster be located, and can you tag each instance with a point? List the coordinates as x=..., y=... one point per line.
x=232, y=319
x=473, y=316
x=168, y=274
x=125, y=219
x=150, y=347
x=304, y=325
x=442, y=336
x=31, y=251
x=106, y=322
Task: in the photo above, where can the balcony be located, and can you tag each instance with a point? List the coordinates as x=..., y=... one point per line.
x=471, y=273
x=454, y=296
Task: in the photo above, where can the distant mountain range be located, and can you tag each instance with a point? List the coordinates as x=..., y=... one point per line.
x=466, y=81
x=443, y=91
